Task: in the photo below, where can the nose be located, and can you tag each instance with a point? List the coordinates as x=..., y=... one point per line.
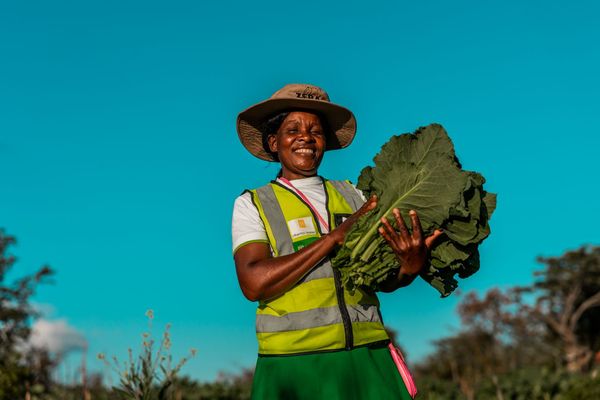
x=306, y=135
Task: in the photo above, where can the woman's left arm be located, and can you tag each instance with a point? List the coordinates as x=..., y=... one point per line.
x=412, y=250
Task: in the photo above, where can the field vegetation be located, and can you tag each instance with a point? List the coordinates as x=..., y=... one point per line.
x=533, y=342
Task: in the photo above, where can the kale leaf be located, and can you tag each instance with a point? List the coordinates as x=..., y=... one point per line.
x=421, y=172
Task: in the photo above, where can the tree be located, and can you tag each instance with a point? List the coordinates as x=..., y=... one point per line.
x=18, y=371
x=517, y=343
x=520, y=339
x=567, y=301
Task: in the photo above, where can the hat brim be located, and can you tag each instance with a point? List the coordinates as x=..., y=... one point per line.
x=341, y=121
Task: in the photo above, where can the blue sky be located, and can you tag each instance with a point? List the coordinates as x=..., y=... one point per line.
x=121, y=162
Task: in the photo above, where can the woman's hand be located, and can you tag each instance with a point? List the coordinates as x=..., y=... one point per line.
x=339, y=233
x=412, y=250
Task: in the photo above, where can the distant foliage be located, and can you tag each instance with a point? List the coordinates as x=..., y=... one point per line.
x=510, y=349
x=567, y=293
x=538, y=342
x=528, y=383
x=226, y=387
x=22, y=370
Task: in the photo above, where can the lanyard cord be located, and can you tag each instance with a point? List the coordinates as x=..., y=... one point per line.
x=307, y=201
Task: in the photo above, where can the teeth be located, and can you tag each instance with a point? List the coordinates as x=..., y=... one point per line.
x=307, y=151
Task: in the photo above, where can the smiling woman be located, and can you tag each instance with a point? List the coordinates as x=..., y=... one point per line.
x=316, y=340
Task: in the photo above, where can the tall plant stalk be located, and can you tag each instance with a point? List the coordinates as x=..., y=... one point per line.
x=149, y=375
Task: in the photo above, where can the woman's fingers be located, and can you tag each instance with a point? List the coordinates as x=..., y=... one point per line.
x=388, y=238
x=401, y=225
x=403, y=238
x=417, y=233
x=389, y=228
x=389, y=234
x=368, y=206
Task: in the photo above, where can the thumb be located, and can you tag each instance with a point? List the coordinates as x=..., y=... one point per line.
x=371, y=203
x=430, y=240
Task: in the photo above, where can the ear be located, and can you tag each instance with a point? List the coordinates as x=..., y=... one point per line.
x=272, y=142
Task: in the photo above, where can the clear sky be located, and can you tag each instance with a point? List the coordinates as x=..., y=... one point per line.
x=120, y=161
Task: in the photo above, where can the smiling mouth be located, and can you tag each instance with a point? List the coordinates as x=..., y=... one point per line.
x=304, y=151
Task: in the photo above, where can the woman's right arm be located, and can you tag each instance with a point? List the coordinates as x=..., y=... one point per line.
x=262, y=276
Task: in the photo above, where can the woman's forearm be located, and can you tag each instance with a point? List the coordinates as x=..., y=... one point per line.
x=262, y=277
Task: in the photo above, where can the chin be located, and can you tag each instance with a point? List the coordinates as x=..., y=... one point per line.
x=307, y=169
x=305, y=172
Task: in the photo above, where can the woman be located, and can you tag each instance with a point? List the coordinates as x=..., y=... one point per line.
x=316, y=339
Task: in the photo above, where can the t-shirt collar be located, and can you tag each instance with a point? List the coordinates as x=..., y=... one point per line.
x=306, y=182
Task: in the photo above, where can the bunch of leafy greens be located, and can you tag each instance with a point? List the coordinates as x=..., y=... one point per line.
x=419, y=172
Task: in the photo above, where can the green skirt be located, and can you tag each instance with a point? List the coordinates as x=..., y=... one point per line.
x=361, y=373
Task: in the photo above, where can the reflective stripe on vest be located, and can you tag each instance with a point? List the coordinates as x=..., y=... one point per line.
x=315, y=318
x=310, y=316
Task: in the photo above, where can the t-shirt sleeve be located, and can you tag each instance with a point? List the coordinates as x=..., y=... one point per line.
x=246, y=224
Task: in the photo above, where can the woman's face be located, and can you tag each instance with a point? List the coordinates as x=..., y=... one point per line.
x=299, y=144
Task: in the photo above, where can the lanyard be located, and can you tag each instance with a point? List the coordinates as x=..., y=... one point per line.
x=307, y=201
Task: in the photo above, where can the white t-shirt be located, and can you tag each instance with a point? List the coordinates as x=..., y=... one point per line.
x=246, y=224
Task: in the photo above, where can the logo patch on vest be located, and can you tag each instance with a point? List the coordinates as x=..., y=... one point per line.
x=301, y=227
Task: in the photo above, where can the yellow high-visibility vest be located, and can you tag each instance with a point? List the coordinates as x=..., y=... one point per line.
x=317, y=314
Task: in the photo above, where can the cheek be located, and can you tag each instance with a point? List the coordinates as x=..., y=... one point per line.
x=322, y=143
x=281, y=143
x=283, y=146
x=284, y=143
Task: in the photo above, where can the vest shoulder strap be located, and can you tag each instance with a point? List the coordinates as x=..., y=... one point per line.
x=349, y=194
x=270, y=212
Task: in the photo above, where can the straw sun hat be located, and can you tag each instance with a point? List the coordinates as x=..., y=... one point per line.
x=295, y=97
